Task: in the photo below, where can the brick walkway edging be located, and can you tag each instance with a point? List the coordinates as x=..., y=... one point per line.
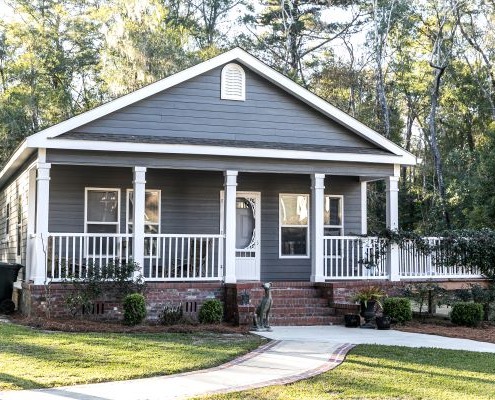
x=336, y=358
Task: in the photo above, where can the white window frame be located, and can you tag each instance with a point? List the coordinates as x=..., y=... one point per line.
x=129, y=218
x=341, y=212
x=223, y=94
x=307, y=226
x=86, y=222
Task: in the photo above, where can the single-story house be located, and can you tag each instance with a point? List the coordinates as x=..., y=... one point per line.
x=225, y=174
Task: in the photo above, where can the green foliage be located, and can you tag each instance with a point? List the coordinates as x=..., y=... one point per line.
x=478, y=294
x=398, y=308
x=467, y=314
x=113, y=279
x=171, y=314
x=211, y=312
x=134, y=307
x=428, y=294
x=368, y=293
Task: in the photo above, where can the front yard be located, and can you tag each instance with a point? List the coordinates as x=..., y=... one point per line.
x=31, y=358
x=390, y=372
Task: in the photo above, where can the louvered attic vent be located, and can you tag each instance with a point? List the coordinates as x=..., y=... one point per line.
x=233, y=83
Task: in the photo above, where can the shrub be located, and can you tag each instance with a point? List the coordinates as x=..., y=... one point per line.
x=134, y=309
x=171, y=314
x=398, y=308
x=468, y=314
x=211, y=312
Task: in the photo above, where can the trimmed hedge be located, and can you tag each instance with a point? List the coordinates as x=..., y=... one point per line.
x=467, y=314
x=211, y=312
x=134, y=309
x=398, y=308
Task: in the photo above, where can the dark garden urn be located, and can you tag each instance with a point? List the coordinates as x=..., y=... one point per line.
x=368, y=313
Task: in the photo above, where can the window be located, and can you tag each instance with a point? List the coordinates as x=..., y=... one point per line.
x=7, y=219
x=233, y=83
x=294, y=232
x=102, y=208
x=151, y=211
x=19, y=225
x=333, y=214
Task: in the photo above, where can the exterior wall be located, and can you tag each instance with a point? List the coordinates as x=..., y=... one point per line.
x=158, y=294
x=190, y=203
x=193, y=109
x=14, y=193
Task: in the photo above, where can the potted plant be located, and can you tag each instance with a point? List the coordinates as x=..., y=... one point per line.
x=368, y=298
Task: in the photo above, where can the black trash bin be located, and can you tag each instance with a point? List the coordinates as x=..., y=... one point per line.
x=8, y=275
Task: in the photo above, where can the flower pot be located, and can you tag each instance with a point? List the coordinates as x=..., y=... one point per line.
x=383, y=322
x=368, y=313
x=352, y=320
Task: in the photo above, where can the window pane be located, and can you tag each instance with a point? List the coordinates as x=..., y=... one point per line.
x=294, y=209
x=294, y=241
x=332, y=231
x=332, y=211
x=152, y=199
x=95, y=228
x=102, y=206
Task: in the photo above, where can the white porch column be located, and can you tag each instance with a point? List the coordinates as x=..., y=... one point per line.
x=31, y=226
x=230, y=190
x=139, y=185
x=392, y=191
x=364, y=208
x=38, y=271
x=316, y=225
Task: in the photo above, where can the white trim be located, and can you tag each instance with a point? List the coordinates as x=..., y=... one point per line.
x=341, y=227
x=307, y=226
x=86, y=222
x=317, y=227
x=22, y=147
x=251, y=62
x=224, y=95
x=230, y=191
x=31, y=224
x=217, y=151
x=39, y=274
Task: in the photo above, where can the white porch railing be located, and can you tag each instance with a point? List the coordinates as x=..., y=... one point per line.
x=167, y=257
x=354, y=257
x=416, y=264
x=70, y=254
x=183, y=257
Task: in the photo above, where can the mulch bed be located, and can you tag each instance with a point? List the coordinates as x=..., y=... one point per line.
x=442, y=327
x=84, y=325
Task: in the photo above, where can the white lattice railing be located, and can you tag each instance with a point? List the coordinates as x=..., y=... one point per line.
x=71, y=254
x=167, y=257
x=417, y=263
x=183, y=257
x=354, y=257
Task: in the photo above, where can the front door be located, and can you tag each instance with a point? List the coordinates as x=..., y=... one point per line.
x=247, y=254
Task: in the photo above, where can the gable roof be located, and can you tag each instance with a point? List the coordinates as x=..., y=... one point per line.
x=49, y=138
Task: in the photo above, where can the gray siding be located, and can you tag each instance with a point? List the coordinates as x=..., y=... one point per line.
x=14, y=194
x=177, y=161
x=193, y=109
x=191, y=204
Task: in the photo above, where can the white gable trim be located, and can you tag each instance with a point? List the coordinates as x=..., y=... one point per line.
x=224, y=151
x=251, y=62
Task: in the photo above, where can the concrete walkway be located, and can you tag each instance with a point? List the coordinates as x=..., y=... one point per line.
x=295, y=353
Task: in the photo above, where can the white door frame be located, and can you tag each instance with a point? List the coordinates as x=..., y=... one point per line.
x=256, y=242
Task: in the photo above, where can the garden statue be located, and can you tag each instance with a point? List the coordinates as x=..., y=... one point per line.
x=261, y=317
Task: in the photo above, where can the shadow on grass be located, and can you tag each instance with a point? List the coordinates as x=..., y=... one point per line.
x=19, y=382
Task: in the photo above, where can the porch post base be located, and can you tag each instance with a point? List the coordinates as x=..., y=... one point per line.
x=317, y=278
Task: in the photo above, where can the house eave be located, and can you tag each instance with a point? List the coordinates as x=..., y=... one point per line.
x=21, y=155
x=218, y=151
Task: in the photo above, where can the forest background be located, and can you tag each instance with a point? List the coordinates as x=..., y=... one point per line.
x=420, y=72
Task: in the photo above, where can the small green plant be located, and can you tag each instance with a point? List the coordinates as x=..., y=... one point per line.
x=428, y=294
x=398, y=308
x=211, y=312
x=370, y=293
x=134, y=309
x=467, y=314
x=171, y=314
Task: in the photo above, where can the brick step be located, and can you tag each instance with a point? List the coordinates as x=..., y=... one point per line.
x=295, y=311
x=316, y=302
x=306, y=320
x=287, y=294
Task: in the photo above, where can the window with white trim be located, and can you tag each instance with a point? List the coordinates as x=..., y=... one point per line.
x=233, y=83
x=19, y=227
x=294, y=225
x=102, y=210
x=151, y=210
x=333, y=215
x=7, y=220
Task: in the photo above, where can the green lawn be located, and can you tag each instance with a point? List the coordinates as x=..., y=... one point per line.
x=33, y=359
x=389, y=372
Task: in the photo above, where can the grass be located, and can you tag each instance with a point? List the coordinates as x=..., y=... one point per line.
x=38, y=359
x=390, y=372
